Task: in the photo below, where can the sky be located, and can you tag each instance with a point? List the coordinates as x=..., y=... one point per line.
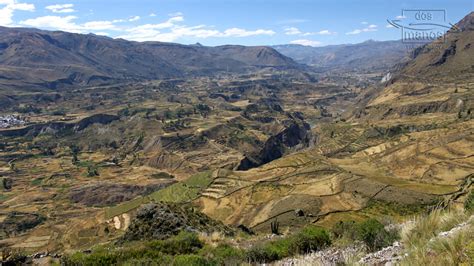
x=218, y=22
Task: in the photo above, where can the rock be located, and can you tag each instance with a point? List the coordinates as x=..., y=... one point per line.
x=299, y=212
x=297, y=134
x=19, y=222
x=7, y=183
x=245, y=229
x=161, y=221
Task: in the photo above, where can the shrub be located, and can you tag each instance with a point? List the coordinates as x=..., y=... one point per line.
x=469, y=203
x=374, y=235
x=183, y=243
x=311, y=238
x=223, y=254
x=190, y=260
x=261, y=254
x=345, y=229
x=371, y=232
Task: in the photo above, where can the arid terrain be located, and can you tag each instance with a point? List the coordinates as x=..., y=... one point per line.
x=262, y=140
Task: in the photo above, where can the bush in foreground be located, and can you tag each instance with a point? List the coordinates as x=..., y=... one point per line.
x=310, y=239
x=187, y=249
x=370, y=231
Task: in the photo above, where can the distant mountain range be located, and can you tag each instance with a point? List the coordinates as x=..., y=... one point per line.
x=367, y=56
x=31, y=58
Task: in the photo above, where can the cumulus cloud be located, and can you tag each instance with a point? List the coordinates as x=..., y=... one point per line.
x=53, y=22
x=68, y=23
x=172, y=29
x=8, y=8
x=168, y=30
x=370, y=28
x=306, y=42
x=63, y=8
x=296, y=31
x=292, y=31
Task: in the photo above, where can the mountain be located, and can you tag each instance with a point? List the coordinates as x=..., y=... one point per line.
x=367, y=56
x=437, y=79
x=449, y=58
x=37, y=58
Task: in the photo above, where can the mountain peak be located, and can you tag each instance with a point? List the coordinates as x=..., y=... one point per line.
x=467, y=23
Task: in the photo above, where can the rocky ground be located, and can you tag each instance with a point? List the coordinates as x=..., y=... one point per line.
x=7, y=121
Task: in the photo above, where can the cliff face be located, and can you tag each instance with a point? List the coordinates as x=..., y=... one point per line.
x=295, y=136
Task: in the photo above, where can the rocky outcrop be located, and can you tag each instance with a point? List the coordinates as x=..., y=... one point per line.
x=58, y=127
x=295, y=136
x=160, y=221
x=95, y=119
x=19, y=222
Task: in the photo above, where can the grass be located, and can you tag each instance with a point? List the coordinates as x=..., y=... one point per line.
x=394, y=210
x=184, y=191
x=425, y=246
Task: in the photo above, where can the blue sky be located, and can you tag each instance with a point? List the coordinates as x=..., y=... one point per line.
x=217, y=22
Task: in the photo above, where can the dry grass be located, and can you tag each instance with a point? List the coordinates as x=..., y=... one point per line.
x=426, y=246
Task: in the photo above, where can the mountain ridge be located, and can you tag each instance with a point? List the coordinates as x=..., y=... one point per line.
x=52, y=59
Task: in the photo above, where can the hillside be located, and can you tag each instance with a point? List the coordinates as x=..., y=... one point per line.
x=367, y=56
x=451, y=59
x=31, y=58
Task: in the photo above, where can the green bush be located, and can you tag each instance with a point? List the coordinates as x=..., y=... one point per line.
x=223, y=254
x=371, y=232
x=190, y=260
x=469, y=203
x=345, y=229
x=374, y=235
x=311, y=238
x=183, y=243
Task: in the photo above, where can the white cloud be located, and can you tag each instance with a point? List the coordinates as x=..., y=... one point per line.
x=326, y=32
x=152, y=15
x=53, y=22
x=306, y=42
x=101, y=33
x=134, y=18
x=175, y=30
x=292, y=31
x=370, y=28
x=9, y=8
x=68, y=23
x=400, y=17
x=64, y=8
x=296, y=31
x=237, y=32
x=169, y=30
x=99, y=25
